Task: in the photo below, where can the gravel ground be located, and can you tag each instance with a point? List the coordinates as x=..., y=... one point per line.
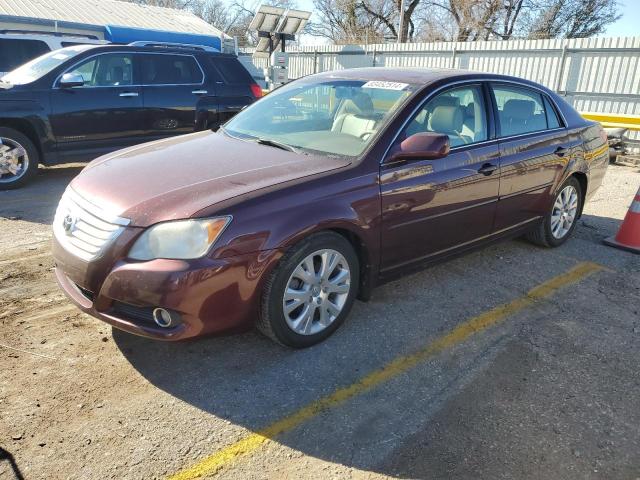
x=552, y=392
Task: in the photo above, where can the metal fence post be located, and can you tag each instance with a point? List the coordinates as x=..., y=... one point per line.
x=563, y=59
x=453, y=58
x=315, y=60
x=373, y=59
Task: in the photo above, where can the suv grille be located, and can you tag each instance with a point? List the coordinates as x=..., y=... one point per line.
x=84, y=229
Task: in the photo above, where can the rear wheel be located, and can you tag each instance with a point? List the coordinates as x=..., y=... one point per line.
x=311, y=291
x=18, y=159
x=560, y=222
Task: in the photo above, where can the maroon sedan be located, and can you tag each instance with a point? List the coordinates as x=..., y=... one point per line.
x=314, y=195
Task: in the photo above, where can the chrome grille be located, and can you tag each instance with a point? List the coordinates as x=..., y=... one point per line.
x=83, y=228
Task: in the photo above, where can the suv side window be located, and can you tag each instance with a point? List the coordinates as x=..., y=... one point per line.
x=106, y=70
x=459, y=113
x=163, y=69
x=230, y=69
x=522, y=110
x=14, y=52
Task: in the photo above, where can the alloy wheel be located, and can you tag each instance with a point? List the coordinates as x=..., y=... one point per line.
x=564, y=212
x=316, y=292
x=14, y=160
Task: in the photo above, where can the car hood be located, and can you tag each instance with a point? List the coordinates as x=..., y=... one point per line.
x=176, y=178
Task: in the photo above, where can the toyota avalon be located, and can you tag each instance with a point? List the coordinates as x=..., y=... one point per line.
x=309, y=198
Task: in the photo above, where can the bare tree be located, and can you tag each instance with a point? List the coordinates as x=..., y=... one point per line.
x=573, y=18
x=342, y=22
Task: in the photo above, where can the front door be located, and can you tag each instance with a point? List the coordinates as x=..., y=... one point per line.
x=102, y=115
x=431, y=207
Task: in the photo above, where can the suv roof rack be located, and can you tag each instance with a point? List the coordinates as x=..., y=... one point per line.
x=53, y=34
x=187, y=46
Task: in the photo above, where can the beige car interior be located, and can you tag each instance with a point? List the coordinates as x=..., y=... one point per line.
x=444, y=114
x=356, y=117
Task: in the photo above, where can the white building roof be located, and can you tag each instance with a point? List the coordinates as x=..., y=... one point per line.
x=109, y=12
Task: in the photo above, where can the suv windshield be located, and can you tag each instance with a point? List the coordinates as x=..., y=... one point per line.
x=338, y=117
x=38, y=67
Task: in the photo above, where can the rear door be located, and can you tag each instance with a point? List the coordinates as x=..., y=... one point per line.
x=535, y=148
x=233, y=84
x=102, y=115
x=173, y=86
x=431, y=207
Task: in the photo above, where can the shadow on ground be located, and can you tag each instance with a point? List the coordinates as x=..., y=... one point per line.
x=37, y=201
x=251, y=382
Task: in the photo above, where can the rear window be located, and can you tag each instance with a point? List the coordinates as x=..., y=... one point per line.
x=170, y=70
x=14, y=52
x=231, y=70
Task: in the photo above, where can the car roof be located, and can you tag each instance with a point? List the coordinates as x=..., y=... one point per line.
x=416, y=76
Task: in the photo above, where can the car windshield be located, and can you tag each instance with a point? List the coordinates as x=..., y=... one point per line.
x=40, y=66
x=332, y=117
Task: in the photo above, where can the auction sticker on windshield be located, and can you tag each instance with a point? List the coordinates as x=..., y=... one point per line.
x=385, y=85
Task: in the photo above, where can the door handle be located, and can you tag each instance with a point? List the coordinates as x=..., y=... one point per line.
x=129, y=94
x=487, y=169
x=561, y=151
x=199, y=92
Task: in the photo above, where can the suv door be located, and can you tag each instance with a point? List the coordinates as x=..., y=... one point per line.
x=535, y=148
x=233, y=84
x=173, y=86
x=430, y=207
x=102, y=115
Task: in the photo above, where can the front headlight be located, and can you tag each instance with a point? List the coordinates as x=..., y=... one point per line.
x=180, y=240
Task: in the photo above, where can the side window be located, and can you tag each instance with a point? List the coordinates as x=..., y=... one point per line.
x=458, y=113
x=520, y=110
x=15, y=52
x=552, y=117
x=231, y=70
x=108, y=70
x=161, y=69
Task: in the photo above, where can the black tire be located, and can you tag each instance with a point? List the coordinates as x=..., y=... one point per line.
x=271, y=321
x=542, y=234
x=32, y=152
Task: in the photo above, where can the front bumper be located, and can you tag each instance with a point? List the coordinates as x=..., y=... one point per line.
x=208, y=295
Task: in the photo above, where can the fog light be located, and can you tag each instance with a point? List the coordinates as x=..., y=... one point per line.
x=162, y=317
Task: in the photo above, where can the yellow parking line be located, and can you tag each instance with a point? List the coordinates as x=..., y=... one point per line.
x=223, y=458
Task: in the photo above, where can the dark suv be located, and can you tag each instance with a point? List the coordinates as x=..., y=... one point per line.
x=80, y=102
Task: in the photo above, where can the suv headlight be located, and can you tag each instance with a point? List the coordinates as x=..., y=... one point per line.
x=180, y=240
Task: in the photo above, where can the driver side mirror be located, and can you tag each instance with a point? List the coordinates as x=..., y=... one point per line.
x=70, y=80
x=422, y=146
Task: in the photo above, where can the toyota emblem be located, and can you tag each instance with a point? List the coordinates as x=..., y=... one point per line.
x=69, y=224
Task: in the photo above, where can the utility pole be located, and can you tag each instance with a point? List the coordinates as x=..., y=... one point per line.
x=401, y=22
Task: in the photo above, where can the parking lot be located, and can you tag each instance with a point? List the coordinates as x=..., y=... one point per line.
x=510, y=362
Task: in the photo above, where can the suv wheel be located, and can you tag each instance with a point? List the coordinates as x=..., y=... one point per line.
x=18, y=158
x=311, y=292
x=560, y=222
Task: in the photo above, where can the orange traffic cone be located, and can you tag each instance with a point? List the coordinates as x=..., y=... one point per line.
x=628, y=237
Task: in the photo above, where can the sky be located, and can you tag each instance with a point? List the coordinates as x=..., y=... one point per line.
x=625, y=27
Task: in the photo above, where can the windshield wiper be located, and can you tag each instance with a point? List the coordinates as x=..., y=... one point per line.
x=275, y=143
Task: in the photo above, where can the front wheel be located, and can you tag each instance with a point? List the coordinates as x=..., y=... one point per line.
x=311, y=292
x=560, y=222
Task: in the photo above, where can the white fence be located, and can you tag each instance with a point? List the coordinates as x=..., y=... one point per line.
x=594, y=74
